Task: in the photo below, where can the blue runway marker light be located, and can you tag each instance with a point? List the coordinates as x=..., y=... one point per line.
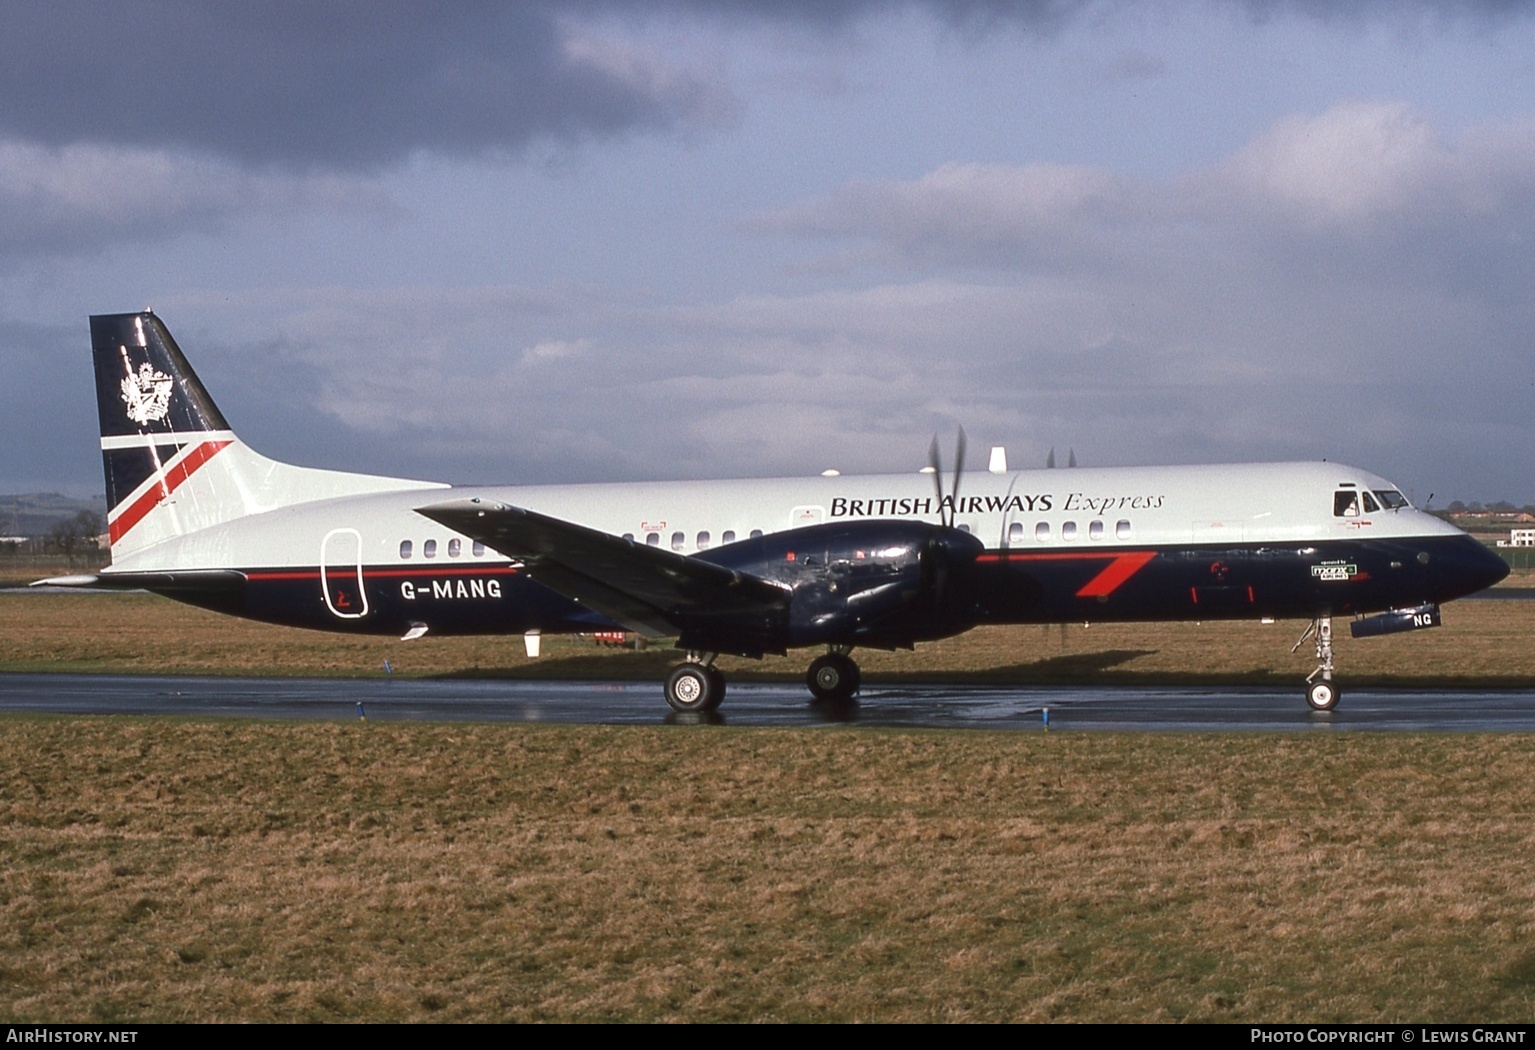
x=387, y=668
x=1044, y=714
x=362, y=716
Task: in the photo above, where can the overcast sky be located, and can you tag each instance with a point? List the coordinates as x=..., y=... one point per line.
x=606, y=240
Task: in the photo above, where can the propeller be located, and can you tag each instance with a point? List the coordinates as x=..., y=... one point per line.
x=1071, y=458
x=935, y=461
x=947, y=548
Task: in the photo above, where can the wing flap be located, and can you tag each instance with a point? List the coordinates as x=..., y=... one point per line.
x=658, y=593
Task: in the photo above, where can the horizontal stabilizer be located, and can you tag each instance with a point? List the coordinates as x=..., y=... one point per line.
x=187, y=581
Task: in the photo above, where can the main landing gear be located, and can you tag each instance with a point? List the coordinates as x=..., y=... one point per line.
x=833, y=678
x=1322, y=691
x=696, y=685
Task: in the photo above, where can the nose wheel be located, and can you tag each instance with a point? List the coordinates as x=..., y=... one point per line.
x=1322, y=691
x=1322, y=694
x=833, y=677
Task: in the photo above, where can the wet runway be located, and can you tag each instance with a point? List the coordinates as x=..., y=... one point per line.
x=749, y=704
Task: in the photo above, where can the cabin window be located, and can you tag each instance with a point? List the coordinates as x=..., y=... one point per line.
x=1345, y=504
x=652, y=539
x=756, y=534
x=1370, y=506
x=728, y=536
x=1068, y=531
x=1015, y=532
x=455, y=547
x=405, y=549
x=965, y=529
x=679, y=540
x=1122, y=530
x=703, y=540
x=478, y=550
x=1042, y=532
x=429, y=549
x=628, y=537
x=1095, y=530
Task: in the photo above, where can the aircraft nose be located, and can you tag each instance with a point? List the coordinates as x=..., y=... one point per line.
x=1468, y=567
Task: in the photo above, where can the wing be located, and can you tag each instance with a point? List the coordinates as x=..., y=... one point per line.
x=654, y=592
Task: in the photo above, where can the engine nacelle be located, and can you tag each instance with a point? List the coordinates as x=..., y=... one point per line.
x=875, y=583
x=1396, y=621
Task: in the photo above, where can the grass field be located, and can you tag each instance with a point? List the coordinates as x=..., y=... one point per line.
x=165, y=870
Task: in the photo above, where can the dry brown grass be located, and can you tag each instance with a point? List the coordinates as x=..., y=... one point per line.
x=1482, y=641
x=158, y=871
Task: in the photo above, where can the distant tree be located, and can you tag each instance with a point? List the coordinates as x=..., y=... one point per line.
x=74, y=536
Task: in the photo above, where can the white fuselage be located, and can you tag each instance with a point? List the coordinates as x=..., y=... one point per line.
x=1042, y=510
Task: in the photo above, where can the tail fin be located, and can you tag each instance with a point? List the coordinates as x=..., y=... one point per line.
x=173, y=465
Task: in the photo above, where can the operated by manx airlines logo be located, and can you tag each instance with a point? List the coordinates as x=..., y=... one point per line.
x=1335, y=571
x=147, y=393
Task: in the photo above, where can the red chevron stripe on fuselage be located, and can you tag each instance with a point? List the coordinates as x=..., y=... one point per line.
x=1122, y=565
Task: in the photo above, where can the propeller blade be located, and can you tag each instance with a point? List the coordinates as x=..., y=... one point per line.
x=959, y=470
x=936, y=463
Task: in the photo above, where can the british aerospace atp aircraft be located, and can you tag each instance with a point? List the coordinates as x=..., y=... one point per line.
x=746, y=567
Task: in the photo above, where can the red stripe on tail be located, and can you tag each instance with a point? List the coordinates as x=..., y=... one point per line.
x=169, y=482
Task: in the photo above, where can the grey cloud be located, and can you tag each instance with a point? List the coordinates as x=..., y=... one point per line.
x=1364, y=164
x=324, y=84
x=1132, y=65
x=48, y=411
x=61, y=199
x=1402, y=11
x=1197, y=362
x=979, y=212
x=318, y=84
x=1364, y=179
x=1047, y=15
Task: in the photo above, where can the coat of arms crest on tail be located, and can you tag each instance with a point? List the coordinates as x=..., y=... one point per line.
x=147, y=394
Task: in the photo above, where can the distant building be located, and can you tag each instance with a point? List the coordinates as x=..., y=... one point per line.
x=1519, y=538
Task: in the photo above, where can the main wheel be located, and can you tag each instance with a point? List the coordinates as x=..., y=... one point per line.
x=694, y=687
x=1322, y=694
x=717, y=682
x=833, y=677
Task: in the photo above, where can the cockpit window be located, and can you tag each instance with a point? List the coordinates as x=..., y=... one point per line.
x=1391, y=499
x=1345, y=504
x=1370, y=506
